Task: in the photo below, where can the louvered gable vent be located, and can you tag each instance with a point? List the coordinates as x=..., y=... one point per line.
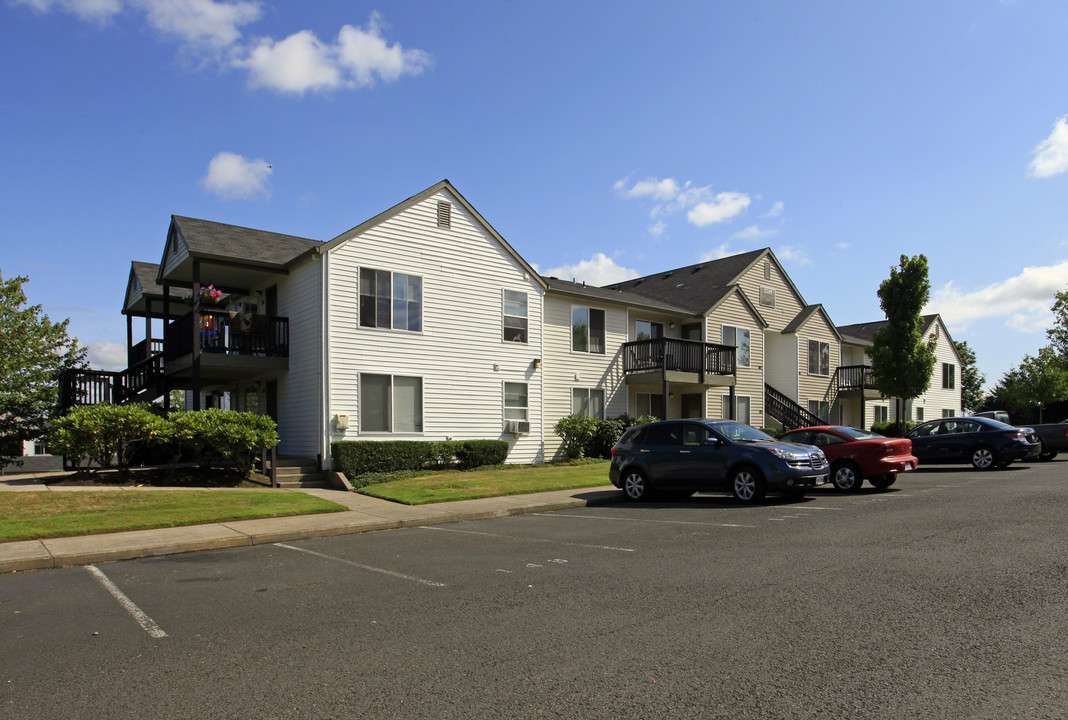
x=444, y=214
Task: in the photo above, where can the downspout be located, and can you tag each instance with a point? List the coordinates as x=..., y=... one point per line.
x=324, y=356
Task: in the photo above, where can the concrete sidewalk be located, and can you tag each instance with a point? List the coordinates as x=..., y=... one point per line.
x=364, y=514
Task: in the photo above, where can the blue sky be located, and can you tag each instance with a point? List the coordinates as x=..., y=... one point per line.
x=603, y=140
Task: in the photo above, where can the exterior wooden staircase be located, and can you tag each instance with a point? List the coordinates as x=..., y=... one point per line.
x=295, y=472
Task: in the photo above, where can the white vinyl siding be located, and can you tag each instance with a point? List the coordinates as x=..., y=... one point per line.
x=459, y=354
x=299, y=407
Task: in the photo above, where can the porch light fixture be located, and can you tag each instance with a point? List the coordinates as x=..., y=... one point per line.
x=537, y=363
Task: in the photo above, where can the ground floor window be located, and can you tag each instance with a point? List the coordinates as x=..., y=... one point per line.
x=588, y=402
x=391, y=403
x=948, y=412
x=919, y=414
x=693, y=405
x=649, y=404
x=881, y=413
x=820, y=408
x=515, y=401
x=741, y=408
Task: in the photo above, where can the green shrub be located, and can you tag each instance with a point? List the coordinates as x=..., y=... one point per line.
x=605, y=435
x=360, y=457
x=100, y=433
x=476, y=453
x=577, y=432
x=893, y=428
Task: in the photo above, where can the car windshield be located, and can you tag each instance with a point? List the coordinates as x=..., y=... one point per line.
x=857, y=434
x=742, y=433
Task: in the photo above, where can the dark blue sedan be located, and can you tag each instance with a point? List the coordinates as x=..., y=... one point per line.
x=983, y=442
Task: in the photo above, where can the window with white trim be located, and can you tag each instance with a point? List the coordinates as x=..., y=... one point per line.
x=819, y=358
x=515, y=401
x=390, y=404
x=881, y=413
x=767, y=297
x=515, y=316
x=742, y=411
x=919, y=414
x=741, y=339
x=648, y=404
x=949, y=376
x=646, y=330
x=948, y=412
x=391, y=300
x=820, y=408
x=587, y=330
x=588, y=402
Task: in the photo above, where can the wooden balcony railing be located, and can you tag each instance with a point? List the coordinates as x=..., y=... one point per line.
x=853, y=377
x=221, y=332
x=673, y=354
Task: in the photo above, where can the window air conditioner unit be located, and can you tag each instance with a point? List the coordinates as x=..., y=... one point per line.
x=516, y=427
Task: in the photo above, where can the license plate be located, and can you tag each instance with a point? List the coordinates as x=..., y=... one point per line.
x=908, y=466
x=821, y=479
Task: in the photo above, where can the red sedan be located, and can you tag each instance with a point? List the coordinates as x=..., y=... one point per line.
x=856, y=454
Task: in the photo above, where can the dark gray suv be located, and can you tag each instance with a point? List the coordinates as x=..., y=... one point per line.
x=685, y=456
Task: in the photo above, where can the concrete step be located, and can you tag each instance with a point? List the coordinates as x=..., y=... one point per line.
x=317, y=482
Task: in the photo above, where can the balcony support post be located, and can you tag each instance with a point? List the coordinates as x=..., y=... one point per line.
x=196, y=334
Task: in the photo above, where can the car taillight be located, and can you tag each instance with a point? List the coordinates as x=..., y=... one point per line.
x=1016, y=435
x=613, y=451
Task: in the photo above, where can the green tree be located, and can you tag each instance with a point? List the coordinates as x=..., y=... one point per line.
x=1058, y=334
x=1038, y=381
x=971, y=380
x=33, y=352
x=901, y=363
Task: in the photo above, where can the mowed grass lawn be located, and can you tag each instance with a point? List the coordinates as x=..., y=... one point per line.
x=39, y=515
x=516, y=480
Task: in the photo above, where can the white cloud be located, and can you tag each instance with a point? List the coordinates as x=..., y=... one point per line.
x=200, y=23
x=302, y=62
x=721, y=208
x=776, y=210
x=658, y=228
x=211, y=31
x=598, y=270
x=98, y=11
x=703, y=206
x=715, y=253
x=1051, y=155
x=231, y=176
x=107, y=355
x=1024, y=300
x=842, y=245
x=754, y=232
x=792, y=255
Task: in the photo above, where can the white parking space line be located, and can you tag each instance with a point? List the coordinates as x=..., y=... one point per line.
x=644, y=520
x=369, y=568
x=146, y=623
x=525, y=539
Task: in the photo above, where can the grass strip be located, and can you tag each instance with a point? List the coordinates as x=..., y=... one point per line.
x=447, y=486
x=39, y=515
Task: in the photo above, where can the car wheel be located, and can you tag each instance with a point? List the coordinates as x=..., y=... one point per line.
x=1047, y=455
x=748, y=485
x=635, y=486
x=883, y=481
x=847, y=476
x=982, y=458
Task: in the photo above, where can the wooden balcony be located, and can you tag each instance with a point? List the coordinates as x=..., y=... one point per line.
x=676, y=360
x=855, y=380
x=228, y=346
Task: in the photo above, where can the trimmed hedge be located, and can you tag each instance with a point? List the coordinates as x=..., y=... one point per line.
x=893, y=428
x=358, y=457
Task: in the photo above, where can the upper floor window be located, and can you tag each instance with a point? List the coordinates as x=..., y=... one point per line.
x=391, y=300
x=739, y=338
x=819, y=358
x=645, y=330
x=515, y=316
x=587, y=330
x=767, y=297
x=949, y=376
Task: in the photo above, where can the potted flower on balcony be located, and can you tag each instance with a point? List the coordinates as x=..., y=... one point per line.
x=209, y=294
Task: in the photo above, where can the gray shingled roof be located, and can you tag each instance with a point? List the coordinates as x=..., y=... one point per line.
x=614, y=296
x=146, y=274
x=694, y=287
x=865, y=332
x=207, y=239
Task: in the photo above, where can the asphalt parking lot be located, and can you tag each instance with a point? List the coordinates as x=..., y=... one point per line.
x=944, y=597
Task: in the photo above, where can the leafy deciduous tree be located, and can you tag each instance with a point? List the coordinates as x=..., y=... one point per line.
x=971, y=380
x=901, y=362
x=33, y=351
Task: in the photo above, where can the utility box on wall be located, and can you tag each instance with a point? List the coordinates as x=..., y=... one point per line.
x=342, y=421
